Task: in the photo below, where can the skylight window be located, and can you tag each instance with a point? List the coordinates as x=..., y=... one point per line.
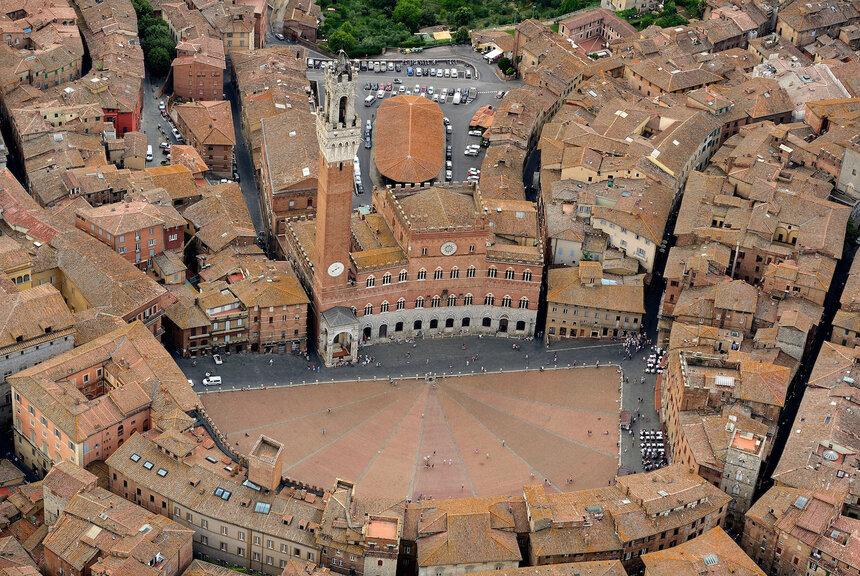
x=162, y=472
x=262, y=507
x=135, y=457
x=148, y=465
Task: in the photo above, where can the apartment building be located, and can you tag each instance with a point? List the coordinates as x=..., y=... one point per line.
x=139, y=231
x=35, y=325
x=714, y=552
x=801, y=23
x=208, y=126
x=83, y=404
x=255, y=526
x=220, y=220
x=797, y=531
x=98, y=533
x=198, y=69
x=641, y=513
x=497, y=529
x=360, y=537
x=583, y=302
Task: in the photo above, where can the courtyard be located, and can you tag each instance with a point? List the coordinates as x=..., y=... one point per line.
x=472, y=435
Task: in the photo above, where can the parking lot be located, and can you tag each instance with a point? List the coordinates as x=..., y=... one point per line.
x=486, y=86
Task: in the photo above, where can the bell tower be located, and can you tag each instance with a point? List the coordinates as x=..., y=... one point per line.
x=339, y=136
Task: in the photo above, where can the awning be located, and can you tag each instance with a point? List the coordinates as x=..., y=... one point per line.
x=492, y=55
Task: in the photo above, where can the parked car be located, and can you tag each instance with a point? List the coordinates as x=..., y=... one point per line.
x=397, y=67
x=164, y=145
x=162, y=105
x=469, y=74
x=367, y=142
x=402, y=89
x=164, y=113
x=191, y=382
x=398, y=81
x=217, y=358
x=448, y=175
x=279, y=37
x=367, y=85
x=474, y=132
x=212, y=381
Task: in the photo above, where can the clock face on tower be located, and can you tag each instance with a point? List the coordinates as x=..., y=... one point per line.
x=448, y=248
x=335, y=270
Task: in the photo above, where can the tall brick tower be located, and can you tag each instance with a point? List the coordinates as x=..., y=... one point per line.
x=339, y=136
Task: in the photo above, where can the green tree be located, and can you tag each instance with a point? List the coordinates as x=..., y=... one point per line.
x=159, y=61
x=408, y=12
x=461, y=36
x=573, y=5
x=463, y=16
x=504, y=63
x=341, y=40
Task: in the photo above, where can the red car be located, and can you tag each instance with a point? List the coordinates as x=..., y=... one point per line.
x=164, y=113
x=388, y=86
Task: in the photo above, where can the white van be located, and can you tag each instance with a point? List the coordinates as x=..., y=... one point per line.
x=380, y=94
x=454, y=73
x=369, y=100
x=212, y=381
x=149, y=153
x=456, y=98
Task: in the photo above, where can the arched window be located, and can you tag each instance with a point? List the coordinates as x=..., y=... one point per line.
x=506, y=301
x=437, y=274
x=435, y=301
x=489, y=300
x=419, y=302
x=384, y=306
x=452, y=300
x=386, y=279
x=524, y=302
x=402, y=277
x=368, y=309
x=470, y=273
x=455, y=273
x=467, y=300
x=371, y=281
x=401, y=303
x=422, y=274
x=509, y=274
x=527, y=275
x=491, y=273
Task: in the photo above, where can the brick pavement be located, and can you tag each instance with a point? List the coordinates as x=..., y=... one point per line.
x=378, y=434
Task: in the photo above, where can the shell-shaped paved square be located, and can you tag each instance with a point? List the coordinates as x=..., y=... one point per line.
x=480, y=435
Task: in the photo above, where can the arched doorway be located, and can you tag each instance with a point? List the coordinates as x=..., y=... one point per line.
x=449, y=323
x=417, y=325
x=486, y=322
x=503, y=325
x=383, y=331
x=466, y=322
x=365, y=334
x=398, y=327
x=434, y=324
